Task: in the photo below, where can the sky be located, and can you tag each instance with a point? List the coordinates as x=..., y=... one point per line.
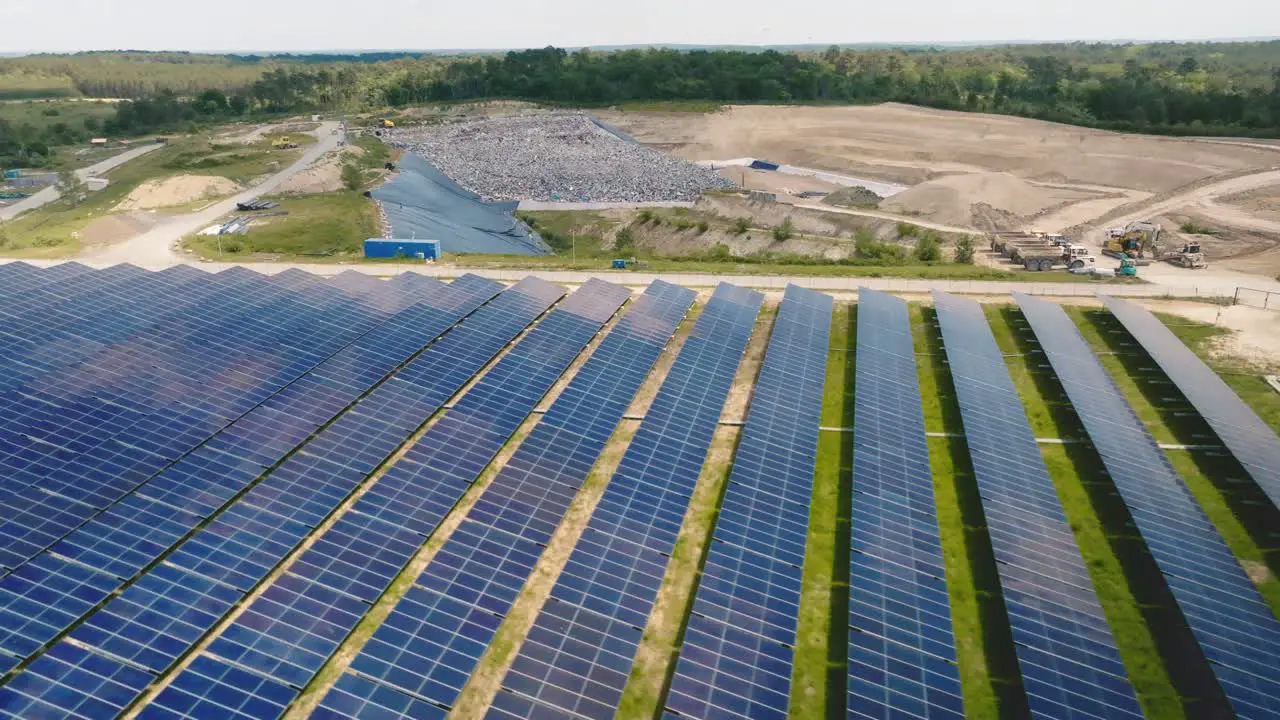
x=301, y=25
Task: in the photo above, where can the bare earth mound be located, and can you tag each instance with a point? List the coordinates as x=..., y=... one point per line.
x=178, y=190
x=987, y=201
x=322, y=177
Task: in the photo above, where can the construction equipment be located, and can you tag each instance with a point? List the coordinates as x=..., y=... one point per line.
x=1138, y=240
x=1190, y=256
x=1128, y=268
x=283, y=143
x=388, y=124
x=1046, y=257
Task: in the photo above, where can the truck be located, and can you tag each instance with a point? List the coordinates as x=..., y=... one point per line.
x=1048, y=256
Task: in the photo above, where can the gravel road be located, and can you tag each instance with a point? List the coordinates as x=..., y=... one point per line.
x=49, y=194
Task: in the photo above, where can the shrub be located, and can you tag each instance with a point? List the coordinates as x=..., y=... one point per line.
x=964, y=251
x=648, y=216
x=1191, y=228
x=741, y=225
x=906, y=230
x=625, y=239
x=232, y=246
x=928, y=249
x=352, y=178
x=784, y=231
x=703, y=226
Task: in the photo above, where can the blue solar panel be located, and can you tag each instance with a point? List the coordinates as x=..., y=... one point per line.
x=1068, y=658
x=356, y=697
x=85, y=685
x=433, y=639
x=901, y=646
x=1249, y=439
x=236, y=694
x=289, y=631
x=1237, y=631
x=232, y=553
x=736, y=655
x=580, y=649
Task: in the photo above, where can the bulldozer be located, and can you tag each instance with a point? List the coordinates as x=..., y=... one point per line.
x=283, y=143
x=1190, y=256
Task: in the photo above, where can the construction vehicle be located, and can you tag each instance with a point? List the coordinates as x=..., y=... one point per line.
x=388, y=124
x=1190, y=256
x=1128, y=268
x=283, y=143
x=1048, y=256
x=1138, y=240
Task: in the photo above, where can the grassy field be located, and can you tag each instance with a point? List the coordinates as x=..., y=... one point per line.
x=52, y=230
x=332, y=225
x=41, y=113
x=818, y=681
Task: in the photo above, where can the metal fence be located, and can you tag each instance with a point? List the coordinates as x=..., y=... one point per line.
x=1253, y=297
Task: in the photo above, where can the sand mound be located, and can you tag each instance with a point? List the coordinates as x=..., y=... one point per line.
x=178, y=190
x=986, y=200
x=856, y=196
x=110, y=229
x=323, y=176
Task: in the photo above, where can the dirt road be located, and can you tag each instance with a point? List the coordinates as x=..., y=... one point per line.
x=1204, y=193
x=890, y=216
x=155, y=247
x=49, y=194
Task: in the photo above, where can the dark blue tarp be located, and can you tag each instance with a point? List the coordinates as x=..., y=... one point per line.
x=763, y=165
x=424, y=203
x=612, y=129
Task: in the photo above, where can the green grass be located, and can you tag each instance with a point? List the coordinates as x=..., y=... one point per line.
x=984, y=646
x=42, y=113
x=334, y=225
x=1163, y=660
x=818, y=681
x=682, y=106
x=1243, y=514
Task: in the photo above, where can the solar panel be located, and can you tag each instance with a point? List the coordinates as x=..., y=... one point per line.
x=901, y=645
x=580, y=649
x=238, y=695
x=234, y=551
x=1068, y=658
x=289, y=631
x=431, y=642
x=1249, y=439
x=39, y=515
x=1237, y=631
x=737, y=651
x=85, y=686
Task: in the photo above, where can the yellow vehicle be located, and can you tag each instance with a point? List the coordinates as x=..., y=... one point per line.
x=283, y=143
x=388, y=124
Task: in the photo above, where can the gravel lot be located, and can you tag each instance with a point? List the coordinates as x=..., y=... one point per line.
x=555, y=156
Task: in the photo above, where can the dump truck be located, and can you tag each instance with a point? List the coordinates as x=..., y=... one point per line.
x=1048, y=256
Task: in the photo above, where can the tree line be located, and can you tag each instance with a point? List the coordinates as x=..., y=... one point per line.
x=1168, y=88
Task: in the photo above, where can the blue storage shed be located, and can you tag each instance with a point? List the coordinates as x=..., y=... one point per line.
x=420, y=249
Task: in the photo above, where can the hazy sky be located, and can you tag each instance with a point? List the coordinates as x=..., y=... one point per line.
x=292, y=25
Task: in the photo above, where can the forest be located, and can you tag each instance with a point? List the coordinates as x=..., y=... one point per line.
x=1167, y=88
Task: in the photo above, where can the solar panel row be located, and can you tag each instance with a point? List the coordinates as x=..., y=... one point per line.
x=580, y=649
x=1237, y=631
x=735, y=660
x=61, y=488
x=418, y=660
x=1249, y=439
x=289, y=632
x=901, y=644
x=41, y=599
x=1068, y=658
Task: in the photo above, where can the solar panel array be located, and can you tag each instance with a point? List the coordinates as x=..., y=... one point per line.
x=901, y=645
x=580, y=649
x=736, y=656
x=1068, y=658
x=155, y=618
x=1236, y=629
x=424, y=652
x=288, y=632
x=1249, y=439
x=89, y=435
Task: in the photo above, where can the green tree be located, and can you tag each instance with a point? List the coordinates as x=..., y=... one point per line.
x=964, y=250
x=71, y=188
x=352, y=177
x=741, y=225
x=928, y=248
x=784, y=231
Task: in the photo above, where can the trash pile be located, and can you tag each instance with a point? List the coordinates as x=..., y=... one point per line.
x=555, y=157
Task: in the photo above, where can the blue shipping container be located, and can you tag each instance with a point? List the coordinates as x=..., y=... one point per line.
x=420, y=249
x=763, y=165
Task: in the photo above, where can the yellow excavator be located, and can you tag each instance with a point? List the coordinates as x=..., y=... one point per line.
x=283, y=143
x=1138, y=239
